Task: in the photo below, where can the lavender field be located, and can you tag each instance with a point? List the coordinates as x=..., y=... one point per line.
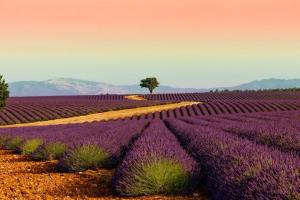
x=230, y=96
x=239, y=149
x=32, y=109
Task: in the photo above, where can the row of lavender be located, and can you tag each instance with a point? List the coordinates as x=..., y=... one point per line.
x=155, y=163
x=111, y=139
x=38, y=99
x=235, y=168
x=277, y=130
x=24, y=110
x=254, y=156
x=230, y=96
x=31, y=109
x=231, y=164
x=225, y=107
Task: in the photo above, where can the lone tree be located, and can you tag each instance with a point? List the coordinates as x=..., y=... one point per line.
x=150, y=83
x=4, y=93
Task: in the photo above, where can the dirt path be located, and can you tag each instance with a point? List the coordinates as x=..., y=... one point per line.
x=21, y=178
x=111, y=115
x=135, y=97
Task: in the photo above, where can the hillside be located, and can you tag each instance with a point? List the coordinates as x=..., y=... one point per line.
x=269, y=84
x=69, y=86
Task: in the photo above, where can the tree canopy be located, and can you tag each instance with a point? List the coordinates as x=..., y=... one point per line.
x=4, y=93
x=150, y=83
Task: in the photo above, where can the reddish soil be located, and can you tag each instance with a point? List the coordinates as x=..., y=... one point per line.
x=21, y=178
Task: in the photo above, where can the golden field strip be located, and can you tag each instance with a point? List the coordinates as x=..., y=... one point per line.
x=135, y=97
x=110, y=115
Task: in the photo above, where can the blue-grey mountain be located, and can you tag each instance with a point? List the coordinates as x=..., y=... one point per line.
x=69, y=86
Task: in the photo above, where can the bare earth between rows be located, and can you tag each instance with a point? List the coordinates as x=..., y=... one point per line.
x=21, y=178
x=111, y=115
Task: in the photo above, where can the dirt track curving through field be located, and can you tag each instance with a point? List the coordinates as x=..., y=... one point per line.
x=110, y=115
x=135, y=97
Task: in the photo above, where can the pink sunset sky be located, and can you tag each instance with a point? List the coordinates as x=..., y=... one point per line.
x=194, y=35
x=149, y=18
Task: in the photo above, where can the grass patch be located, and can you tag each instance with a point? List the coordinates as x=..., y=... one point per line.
x=3, y=141
x=29, y=146
x=14, y=144
x=158, y=177
x=51, y=151
x=83, y=158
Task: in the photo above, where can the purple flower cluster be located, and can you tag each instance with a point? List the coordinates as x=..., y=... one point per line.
x=156, y=143
x=234, y=168
x=228, y=96
x=67, y=133
x=278, y=133
x=225, y=108
x=113, y=137
x=113, y=141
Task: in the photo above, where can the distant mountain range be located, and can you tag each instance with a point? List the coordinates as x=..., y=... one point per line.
x=271, y=83
x=69, y=86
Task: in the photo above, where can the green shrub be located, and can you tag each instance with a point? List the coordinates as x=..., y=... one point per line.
x=83, y=158
x=4, y=92
x=3, y=141
x=14, y=144
x=29, y=146
x=51, y=151
x=158, y=177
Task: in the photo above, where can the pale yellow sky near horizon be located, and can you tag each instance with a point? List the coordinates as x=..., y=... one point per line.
x=198, y=43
